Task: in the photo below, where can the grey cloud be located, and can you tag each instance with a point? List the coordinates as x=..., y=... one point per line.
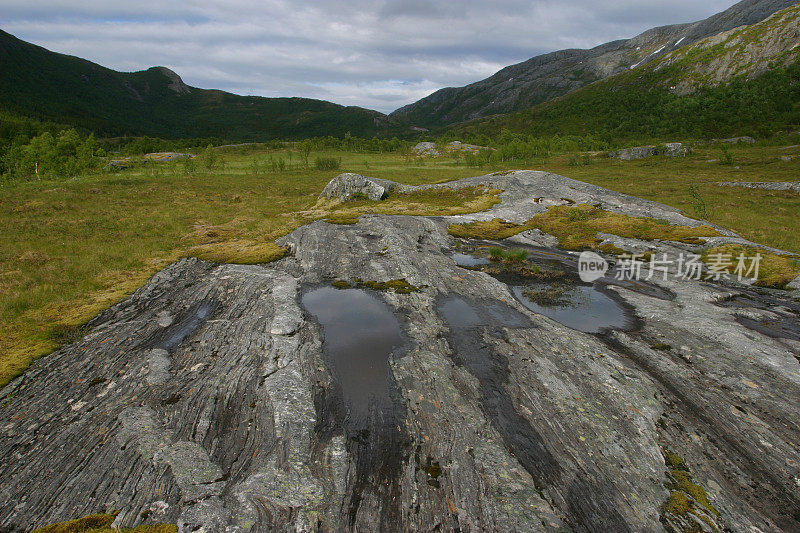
x=379, y=55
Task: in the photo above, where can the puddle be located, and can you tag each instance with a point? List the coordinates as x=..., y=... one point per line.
x=588, y=309
x=466, y=260
x=469, y=321
x=473, y=326
x=360, y=333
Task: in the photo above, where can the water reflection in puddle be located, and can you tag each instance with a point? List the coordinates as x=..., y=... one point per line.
x=587, y=309
x=360, y=333
x=466, y=260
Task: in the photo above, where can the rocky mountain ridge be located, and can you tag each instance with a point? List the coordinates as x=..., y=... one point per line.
x=548, y=76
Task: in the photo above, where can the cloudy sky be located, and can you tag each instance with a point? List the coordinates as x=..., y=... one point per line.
x=379, y=54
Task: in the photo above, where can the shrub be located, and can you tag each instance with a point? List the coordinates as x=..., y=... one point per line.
x=327, y=163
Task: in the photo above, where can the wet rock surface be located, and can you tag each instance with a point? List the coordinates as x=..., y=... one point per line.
x=223, y=398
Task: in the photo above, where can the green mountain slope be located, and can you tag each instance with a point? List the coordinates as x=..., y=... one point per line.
x=744, y=81
x=45, y=85
x=545, y=77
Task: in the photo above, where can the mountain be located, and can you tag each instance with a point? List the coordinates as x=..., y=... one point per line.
x=549, y=76
x=741, y=81
x=38, y=83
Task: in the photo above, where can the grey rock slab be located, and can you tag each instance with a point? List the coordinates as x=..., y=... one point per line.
x=229, y=418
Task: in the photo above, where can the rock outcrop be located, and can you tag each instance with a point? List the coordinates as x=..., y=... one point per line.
x=426, y=149
x=642, y=152
x=212, y=398
x=767, y=185
x=348, y=186
x=429, y=149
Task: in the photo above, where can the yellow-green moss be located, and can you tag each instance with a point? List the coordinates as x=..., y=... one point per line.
x=400, y=286
x=340, y=284
x=242, y=252
x=495, y=229
x=774, y=271
x=434, y=201
x=576, y=228
x=101, y=523
x=685, y=493
x=672, y=459
x=677, y=504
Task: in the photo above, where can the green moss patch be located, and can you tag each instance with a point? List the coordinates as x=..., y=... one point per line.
x=687, y=500
x=400, y=286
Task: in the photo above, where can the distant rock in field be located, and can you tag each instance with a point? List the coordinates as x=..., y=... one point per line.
x=641, y=152
x=768, y=185
x=119, y=163
x=736, y=140
x=163, y=157
x=458, y=146
x=348, y=186
x=427, y=149
x=788, y=157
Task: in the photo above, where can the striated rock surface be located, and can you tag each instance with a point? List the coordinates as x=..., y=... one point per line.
x=213, y=398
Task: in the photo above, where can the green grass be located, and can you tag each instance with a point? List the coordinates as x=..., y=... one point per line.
x=73, y=248
x=765, y=217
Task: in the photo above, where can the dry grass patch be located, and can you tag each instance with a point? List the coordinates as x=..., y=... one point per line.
x=775, y=271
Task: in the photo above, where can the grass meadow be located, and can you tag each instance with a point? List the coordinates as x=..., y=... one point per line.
x=72, y=248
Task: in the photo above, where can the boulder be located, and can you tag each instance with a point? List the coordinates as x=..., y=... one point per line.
x=427, y=149
x=737, y=140
x=458, y=146
x=641, y=152
x=163, y=157
x=348, y=186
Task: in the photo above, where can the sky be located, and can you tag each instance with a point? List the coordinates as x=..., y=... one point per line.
x=378, y=54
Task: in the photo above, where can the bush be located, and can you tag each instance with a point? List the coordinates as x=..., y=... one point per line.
x=327, y=163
